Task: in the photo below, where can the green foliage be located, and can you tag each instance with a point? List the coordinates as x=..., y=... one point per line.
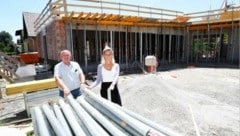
x=196, y=45
x=30, y=133
x=225, y=38
x=6, y=42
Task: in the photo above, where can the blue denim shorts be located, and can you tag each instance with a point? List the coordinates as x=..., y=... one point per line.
x=75, y=93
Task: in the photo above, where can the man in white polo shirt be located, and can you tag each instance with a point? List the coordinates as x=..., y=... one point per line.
x=69, y=75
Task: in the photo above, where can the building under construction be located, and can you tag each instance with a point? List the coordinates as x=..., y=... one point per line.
x=134, y=32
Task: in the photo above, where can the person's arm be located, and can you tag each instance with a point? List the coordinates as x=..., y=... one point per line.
x=81, y=75
x=82, y=78
x=59, y=81
x=62, y=85
x=116, y=75
x=99, y=78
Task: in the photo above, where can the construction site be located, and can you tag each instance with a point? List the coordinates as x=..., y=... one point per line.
x=189, y=87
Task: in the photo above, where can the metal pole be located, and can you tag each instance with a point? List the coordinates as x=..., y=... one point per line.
x=188, y=35
x=126, y=47
x=85, y=48
x=111, y=39
x=219, y=45
x=208, y=45
x=100, y=118
x=169, y=46
x=141, y=57
x=53, y=121
x=164, y=48
x=119, y=46
x=92, y=126
x=78, y=131
x=135, y=47
x=100, y=39
x=96, y=44
x=197, y=47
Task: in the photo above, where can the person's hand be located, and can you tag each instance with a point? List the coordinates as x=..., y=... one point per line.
x=110, y=87
x=88, y=87
x=83, y=86
x=66, y=92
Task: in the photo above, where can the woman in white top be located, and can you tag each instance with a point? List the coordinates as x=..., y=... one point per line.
x=107, y=75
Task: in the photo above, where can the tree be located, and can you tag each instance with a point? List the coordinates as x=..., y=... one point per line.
x=6, y=42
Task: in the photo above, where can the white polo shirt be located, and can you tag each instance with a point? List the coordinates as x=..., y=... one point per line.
x=70, y=75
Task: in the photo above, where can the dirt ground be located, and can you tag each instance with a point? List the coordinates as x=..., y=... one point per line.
x=190, y=101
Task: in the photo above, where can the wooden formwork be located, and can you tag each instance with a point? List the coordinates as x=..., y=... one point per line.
x=230, y=15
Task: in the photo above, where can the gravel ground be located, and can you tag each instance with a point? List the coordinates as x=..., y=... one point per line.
x=188, y=101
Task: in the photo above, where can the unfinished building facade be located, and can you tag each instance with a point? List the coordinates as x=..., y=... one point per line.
x=134, y=32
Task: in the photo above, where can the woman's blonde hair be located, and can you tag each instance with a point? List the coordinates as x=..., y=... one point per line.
x=107, y=48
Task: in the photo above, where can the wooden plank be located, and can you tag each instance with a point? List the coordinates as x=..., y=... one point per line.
x=30, y=86
x=87, y=16
x=101, y=16
x=11, y=65
x=80, y=15
x=93, y=17
x=11, y=59
x=10, y=70
x=6, y=77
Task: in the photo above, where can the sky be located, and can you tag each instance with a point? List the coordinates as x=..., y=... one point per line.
x=11, y=10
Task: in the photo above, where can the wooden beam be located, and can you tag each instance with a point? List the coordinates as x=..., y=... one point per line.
x=80, y=15
x=6, y=77
x=101, y=17
x=71, y=15
x=30, y=86
x=11, y=59
x=87, y=16
x=212, y=26
x=107, y=17
x=5, y=67
x=93, y=17
x=113, y=18
x=11, y=65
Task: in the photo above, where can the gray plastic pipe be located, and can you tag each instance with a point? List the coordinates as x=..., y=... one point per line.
x=93, y=127
x=140, y=127
x=78, y=131
x=53, y=120
x=109, y=94
x=41, y=122
x=100, y=118
x=61, y=119
x=150, y=123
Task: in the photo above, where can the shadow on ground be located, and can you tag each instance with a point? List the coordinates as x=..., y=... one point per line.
x=14, y=118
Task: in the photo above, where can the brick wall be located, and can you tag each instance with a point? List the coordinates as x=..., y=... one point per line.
x=55, y=39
